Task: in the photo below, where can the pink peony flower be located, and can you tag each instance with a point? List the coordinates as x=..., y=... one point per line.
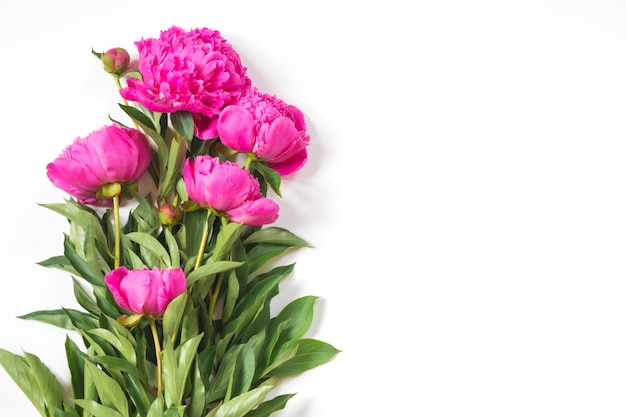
x=112, y=154
x=228, y=188
x=264, y=125
x=145, y=291
x=196, y=71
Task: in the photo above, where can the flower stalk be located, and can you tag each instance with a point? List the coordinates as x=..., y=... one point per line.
x=157, y=353
x=118, y=232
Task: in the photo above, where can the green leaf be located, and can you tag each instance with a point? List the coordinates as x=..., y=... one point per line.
x=151, y=244
x=276, y=235
x=183, y=123
x=310, y=354
x=109, y=391
x=58, y=262
x=259, y=255
x=46, y=381
x=119, y=364
x=225, y=239
x=219, y=385
x=211, y=268
x=171, y=392
x=138, y=393
x=176, y=157
x=232, y=295
x=245, y=370
x=98, y=410
x=172, y=245
x=80, y=265
x=173, y=316
x=197, y=405
x=240, y=405
x=123, y=345
x=57, y=318
x=176, y=367
x=34, y=379
x=268, y=407
x=84, y=299
x=298, y=314
x=138, y=115
x=133, y=260
x=271, y=176
x=76, y=365
x=156, y=408
x=81, y=215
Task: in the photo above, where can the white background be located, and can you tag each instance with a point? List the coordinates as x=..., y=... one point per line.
x=465, y=193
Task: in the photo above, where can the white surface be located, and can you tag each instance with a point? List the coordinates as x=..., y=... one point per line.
x=465, y=190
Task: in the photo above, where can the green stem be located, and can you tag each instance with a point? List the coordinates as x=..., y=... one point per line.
x=116, y=216
x=205, y=236
x=157, y=352
x=119, y=87
x=249, y=160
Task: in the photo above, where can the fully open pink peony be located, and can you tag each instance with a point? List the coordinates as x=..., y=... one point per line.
x=197, y=71
x=268, y=127
x=229, y=189
x=112, y=154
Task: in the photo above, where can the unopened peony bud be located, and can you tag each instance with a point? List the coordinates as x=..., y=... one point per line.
x=168, y=215
x=115, y=60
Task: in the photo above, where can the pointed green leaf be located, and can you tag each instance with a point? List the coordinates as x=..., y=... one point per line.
x=270, y=175
x=261, y=254
x=26, y=379
x=76, y=366
x=242, y=404
x=140, y=395
x=109, y=391
x=225, y=239
x=57, y=318
x=151, y=244
x=84, y=299
x=80, y=265
x=156, y=408
x=183, y=123
x=80, y=215
x=311, y=353
x=97, y=410
x=276, y=235
x=266, y=408
x=173, y=316
x=299, y=315
x=172, y=245
x=47, y=384
x=211, y=268
x=138, y=115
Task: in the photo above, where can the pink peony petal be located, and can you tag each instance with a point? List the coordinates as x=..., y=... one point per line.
x=279, y=141
x=255, y=213
x=290, y=165
x=235, y=128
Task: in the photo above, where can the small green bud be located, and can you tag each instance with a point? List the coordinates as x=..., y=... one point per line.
x=115, y=60
x=169, y=215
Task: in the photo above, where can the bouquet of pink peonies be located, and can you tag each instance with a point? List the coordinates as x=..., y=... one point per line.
x=176, y=317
